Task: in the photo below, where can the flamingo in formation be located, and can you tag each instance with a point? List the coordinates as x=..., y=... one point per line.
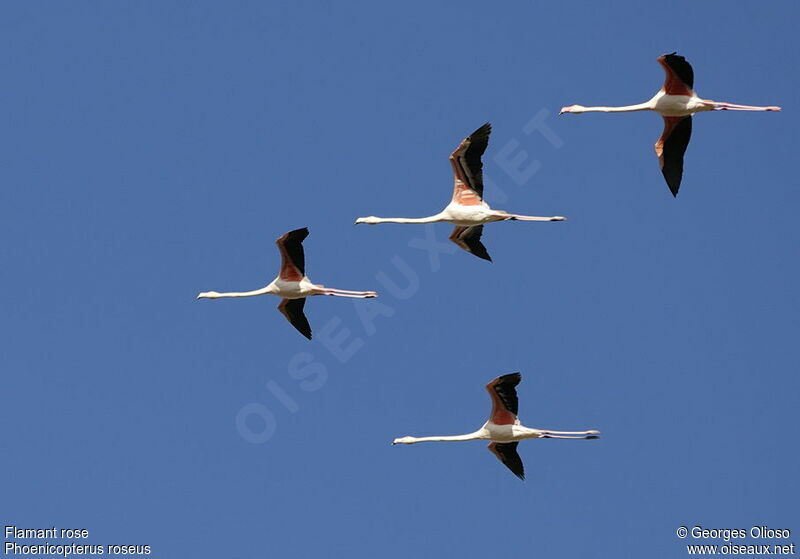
x=676, y=101
x=292, y=284
x=503, y=428
x=466, y=210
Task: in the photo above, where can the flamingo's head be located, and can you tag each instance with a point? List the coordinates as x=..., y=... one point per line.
x=371, y=220
x=403, y=440
x=208, y=295
x=571, y=109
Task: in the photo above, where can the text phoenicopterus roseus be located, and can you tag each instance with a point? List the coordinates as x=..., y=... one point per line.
x=292, y=283
x=466, y=210
x=676, y=102
x=504, y=428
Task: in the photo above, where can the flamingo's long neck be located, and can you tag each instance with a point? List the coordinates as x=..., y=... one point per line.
x=648, y=106
x=375, y=220
x=443, y=438
x=215, y=295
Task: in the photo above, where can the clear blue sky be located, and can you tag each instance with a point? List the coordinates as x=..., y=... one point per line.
x=154, y=150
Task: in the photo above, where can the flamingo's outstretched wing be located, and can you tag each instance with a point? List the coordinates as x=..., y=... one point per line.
x=670, y=148
x=507, y=454
x=468, y=167
x=469, y=238
x=293, y=259
x=292, y=309
x=505, y=404
x=680, y=76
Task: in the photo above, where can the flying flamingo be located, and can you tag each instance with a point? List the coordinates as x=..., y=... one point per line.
x=676, y=102
x=466, y=210
x=292, y=283
x=504, y=428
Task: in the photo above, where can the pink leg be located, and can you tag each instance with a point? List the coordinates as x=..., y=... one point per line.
x=721, y=106
x=346, y=290
x=351, y=294
x=572, y=438
x=592, y=432
x=516, y=217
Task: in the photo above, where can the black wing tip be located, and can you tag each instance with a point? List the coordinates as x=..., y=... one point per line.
x=508, y=455
x=673, y=183
x=486, y=129
x=469, y=238
x=673, y=154
x=304, y=329
x=294, y=235
x=672, y=57
x=292, y=310
x=515, y=377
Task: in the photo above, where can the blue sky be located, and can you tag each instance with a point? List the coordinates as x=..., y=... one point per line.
x=154, y=150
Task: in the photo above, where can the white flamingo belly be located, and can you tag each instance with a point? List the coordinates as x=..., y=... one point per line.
x=510, y=433
x=677, y=105
x=294, y=289
x=468, y=216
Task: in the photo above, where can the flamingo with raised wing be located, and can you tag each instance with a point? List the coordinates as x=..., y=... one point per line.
x=503, y=428
x=292, y=284
x=466, y=210
x=676, y=102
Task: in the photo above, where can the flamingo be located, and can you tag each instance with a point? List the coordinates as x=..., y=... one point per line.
x=503, y=428
x=676, y=101
x=466, y=210
x=292, y=284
